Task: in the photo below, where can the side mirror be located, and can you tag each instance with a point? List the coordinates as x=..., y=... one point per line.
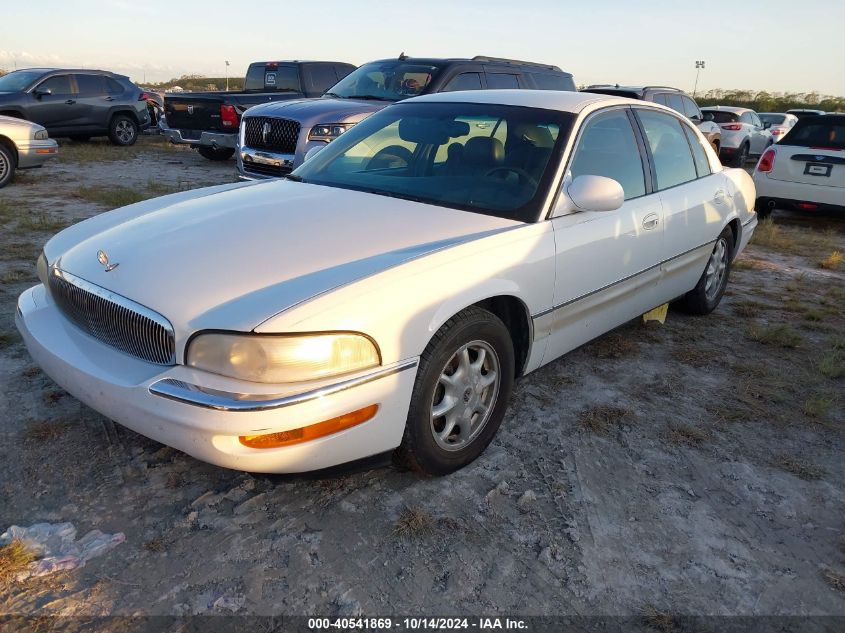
x=767, y=125
x=313, y=152
x=43, y=93
x=708, y=116
x=596, y=193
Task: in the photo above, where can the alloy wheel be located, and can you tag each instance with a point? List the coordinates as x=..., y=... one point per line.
x=124, y=131
x=716, y=267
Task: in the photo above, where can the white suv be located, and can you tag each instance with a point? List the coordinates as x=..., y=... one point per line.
x=743, y=134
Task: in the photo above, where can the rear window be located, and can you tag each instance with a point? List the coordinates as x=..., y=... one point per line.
x=614, y=92
x=821, y=132
x=774, y=119
x=271, y=77
x=720, y=116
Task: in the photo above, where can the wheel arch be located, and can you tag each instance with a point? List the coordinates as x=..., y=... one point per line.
x=124, y=110
x=5, y=140
x=13, y=112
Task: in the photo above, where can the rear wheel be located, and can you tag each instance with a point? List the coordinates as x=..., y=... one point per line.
x=216, y=153
x=710, y=288
x=8, y=163
x=761, y=206
x=123, y=130
x=460, y=395
x=741, y=156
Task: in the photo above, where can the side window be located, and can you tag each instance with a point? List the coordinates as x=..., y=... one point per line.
x=755, y=119
x=91, y=85
x=699, y=155
x=501, y=80
x=660, y=98
x=464, y=81
x=608, y=147
x=549, y=81
x=58, y=85
x=746, y=118
x=341, y=70
x=691, y=109
x=672, y=158
x=675, y=102
x=321, y=77
x=113, y=87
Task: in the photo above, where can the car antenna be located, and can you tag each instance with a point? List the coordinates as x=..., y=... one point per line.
x=402, y=56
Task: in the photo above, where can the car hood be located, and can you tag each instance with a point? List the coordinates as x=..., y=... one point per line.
x=15, y=122
x=310, y=112
x=234, y=258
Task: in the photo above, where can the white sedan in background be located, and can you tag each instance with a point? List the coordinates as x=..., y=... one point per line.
x=778, y=123
x=806, y=170
x=386, y=295
x=23, y=145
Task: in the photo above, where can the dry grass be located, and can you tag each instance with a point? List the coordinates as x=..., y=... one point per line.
x=799, y=468
x=832, y=261
x=7, y=339
x=818, y=406
x=45, y=431
x=156, y=545
x=14, y=558
x=695, y=356
x=16, y=251
x=601, y=418
x=413, y=523
x=832, y=364
x=614, y=346
x=749, y=307
x=791, y=240
x=780, y=335
x=835, y=580
x=684, y=435
x=659, y=620
x=42, y=222
x=117, y=196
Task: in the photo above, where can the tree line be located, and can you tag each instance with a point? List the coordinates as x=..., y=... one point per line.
x=763, y=101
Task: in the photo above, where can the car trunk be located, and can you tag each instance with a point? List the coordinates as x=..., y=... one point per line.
x=194, y=112
x=810, y=165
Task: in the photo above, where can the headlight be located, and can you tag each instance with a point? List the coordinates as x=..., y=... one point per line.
x=41, y=135
x=327, y=132
x=283, y=358
x=41, y=268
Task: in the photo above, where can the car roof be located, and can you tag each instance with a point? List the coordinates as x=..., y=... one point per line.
x=546, y=99
x=73, y=70
x=635, y=89
x=733, y=109
x=479, y=59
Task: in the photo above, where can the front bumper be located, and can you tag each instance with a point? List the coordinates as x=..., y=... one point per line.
x=202, y=414
x=790, y=194
x=197, y=138
x=35, y=153
x=254, y=164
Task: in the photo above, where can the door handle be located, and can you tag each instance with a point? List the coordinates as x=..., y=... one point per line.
x=109, y=98
x=70, y=102
x=651, y=221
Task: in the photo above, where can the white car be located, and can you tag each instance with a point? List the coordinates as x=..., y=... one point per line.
x=806, y=170
x=23, y=145
x=743, y=134
x=778, y=123
x=386, y=295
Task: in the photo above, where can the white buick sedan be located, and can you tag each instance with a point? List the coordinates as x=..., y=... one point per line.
x=386, y=295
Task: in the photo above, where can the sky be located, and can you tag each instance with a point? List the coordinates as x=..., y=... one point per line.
x=775, y=45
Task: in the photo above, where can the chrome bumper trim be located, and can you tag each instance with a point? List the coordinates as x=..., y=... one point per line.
x=227, y=401
x=206, y=139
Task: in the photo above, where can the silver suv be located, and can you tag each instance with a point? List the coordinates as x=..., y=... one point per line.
x=743, y=134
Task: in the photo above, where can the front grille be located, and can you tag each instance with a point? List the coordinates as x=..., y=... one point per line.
x=281, y=134
x=112, y=319
x=266, y=170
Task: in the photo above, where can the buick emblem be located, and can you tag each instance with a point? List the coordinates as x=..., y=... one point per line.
x=265, y=131
x=190, y=109
x=103, y=258
x=820, y=158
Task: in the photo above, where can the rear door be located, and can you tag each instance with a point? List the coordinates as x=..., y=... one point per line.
x=93, y=101
x=502, y=79
x=813, y=153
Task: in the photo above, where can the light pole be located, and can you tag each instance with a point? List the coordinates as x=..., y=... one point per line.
x=699, y=65
x=227, y=76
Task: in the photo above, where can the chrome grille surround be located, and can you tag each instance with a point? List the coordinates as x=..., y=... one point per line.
x=113, y=319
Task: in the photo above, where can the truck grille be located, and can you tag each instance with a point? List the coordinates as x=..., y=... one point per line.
x=281, y=134
x=113, y=320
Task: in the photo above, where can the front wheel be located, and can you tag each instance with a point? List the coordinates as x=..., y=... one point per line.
x=123, y=130
x=7, y=165
x=460, y=395
x=216, y=153
x=707, y=294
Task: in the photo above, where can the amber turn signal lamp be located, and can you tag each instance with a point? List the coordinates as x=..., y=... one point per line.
x=311, y=432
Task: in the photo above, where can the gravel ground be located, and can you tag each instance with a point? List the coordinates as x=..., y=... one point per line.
x=690, y=468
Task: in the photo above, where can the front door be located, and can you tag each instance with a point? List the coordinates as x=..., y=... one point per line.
x=607, y=263
x=53, y=111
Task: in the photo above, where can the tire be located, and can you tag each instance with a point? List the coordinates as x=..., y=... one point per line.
x=123, y=130
x=8, y=164
x=427, y=444
x=704, y=298
x=761, y=206
x=741, y=156
x=220, y=153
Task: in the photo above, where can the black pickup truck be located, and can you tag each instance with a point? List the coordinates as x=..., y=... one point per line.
x=209, y=121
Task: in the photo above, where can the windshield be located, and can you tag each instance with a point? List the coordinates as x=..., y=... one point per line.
x=720, y=116
x=774, y=119
x=385, y=81
x=18, y=80
x=491, y=159
x=827, y=132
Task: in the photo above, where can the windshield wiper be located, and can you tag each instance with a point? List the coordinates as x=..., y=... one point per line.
x=368, y=98
x=332, y=94
x=293, y=177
